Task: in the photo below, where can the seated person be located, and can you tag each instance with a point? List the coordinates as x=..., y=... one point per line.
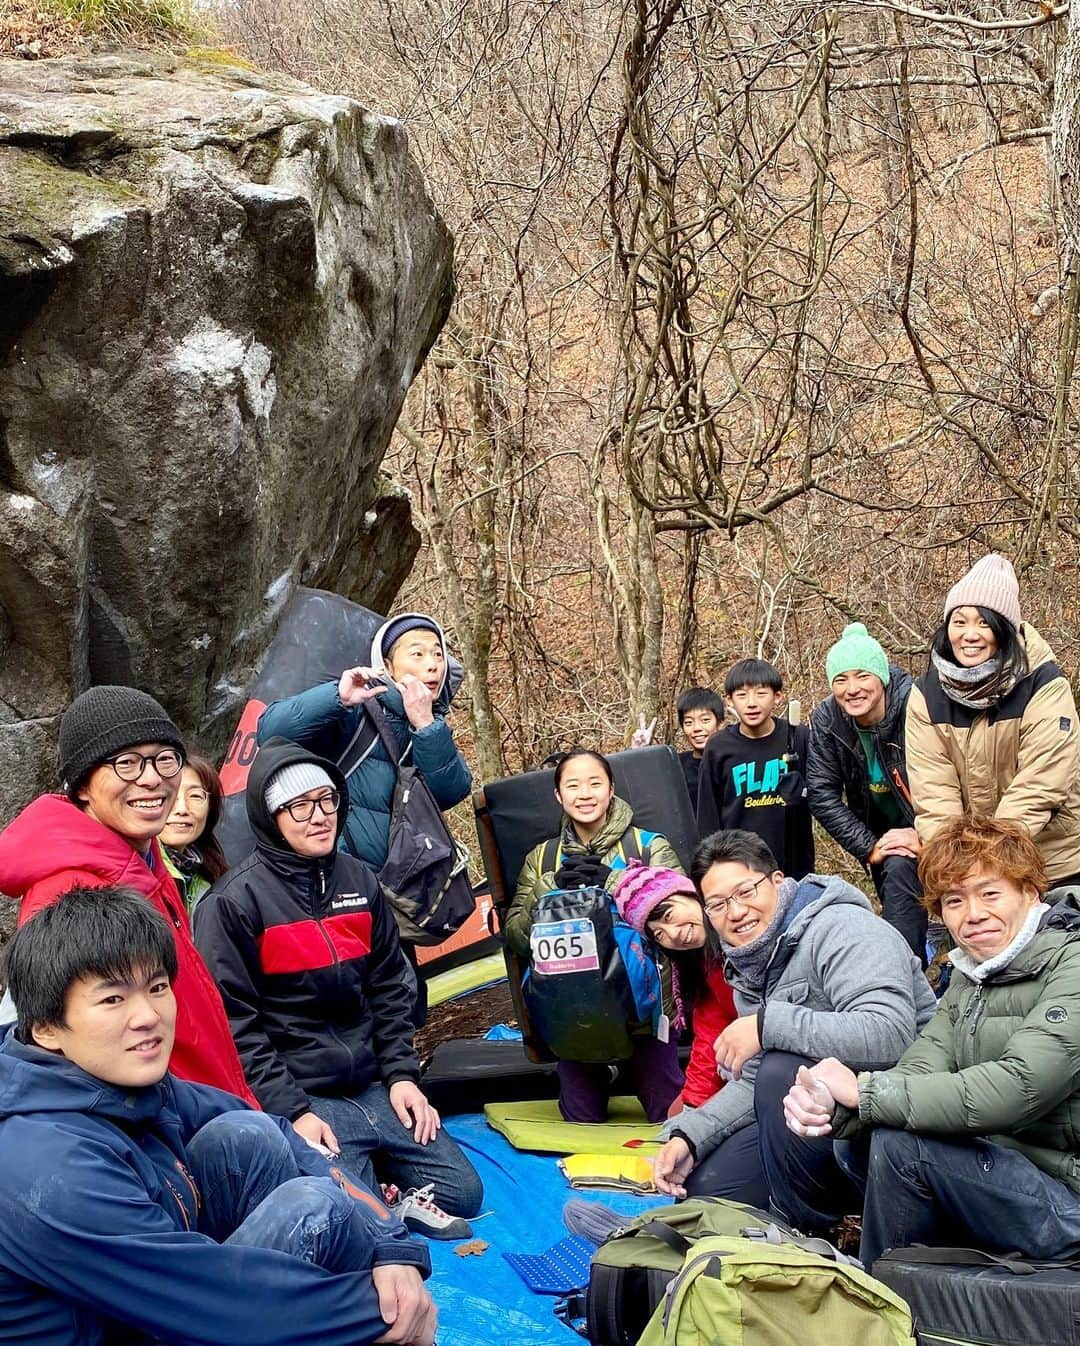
x=306, y=953
x=596, y=838
x=665, y=905
x=141, y=1207
x=971, y=1136
x=809, y=963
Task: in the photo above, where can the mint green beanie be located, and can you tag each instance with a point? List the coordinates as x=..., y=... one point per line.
x=857, y=649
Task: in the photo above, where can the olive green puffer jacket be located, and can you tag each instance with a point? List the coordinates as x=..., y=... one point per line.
x=534, y=881
x=1000, y=1059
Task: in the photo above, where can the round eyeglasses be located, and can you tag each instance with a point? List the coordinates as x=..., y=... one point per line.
x=130, y=766
x=302, y=810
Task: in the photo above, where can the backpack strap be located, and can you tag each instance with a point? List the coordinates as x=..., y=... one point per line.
x=549, y=856
x=666, y=1234
x=973, y=1257
x=389, y=742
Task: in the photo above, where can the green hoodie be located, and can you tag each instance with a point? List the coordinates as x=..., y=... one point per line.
x=999, y=1060
x=609, y=844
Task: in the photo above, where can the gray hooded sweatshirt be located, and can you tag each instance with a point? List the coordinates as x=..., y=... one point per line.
x=841, y=982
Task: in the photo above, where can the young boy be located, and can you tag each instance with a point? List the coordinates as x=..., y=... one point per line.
x=137, y=1206
x=752, y=773
x=701, y=714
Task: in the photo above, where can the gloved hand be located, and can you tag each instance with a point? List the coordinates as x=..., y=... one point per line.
x=582, y=871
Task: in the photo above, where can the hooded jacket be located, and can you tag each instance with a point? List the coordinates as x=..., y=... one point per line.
x=318, y=721
x=98, y=1225
x=837, y=777
x=307, y=957
x=609, y=844
x=54, y=846
x=999, y=1059
x=840, y=982
x=1018, y=760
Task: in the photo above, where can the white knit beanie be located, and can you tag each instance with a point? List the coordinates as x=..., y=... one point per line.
x=990, y=583
x=295, y=779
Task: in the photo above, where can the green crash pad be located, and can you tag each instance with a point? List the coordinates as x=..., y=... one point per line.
x=539, y=1126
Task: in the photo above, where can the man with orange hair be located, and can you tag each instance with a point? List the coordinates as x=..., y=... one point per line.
x=976, y=1129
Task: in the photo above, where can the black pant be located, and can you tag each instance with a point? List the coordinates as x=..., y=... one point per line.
x=420, y=1005
x=897, y=882
x=765, y=1164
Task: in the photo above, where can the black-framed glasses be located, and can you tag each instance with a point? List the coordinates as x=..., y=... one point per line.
x=743, y=894
x=302, y=810
x=129, y=766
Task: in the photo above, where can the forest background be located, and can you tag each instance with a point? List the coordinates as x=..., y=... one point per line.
x=766, y=320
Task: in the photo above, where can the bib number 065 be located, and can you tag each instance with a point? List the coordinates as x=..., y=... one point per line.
x=563, y=946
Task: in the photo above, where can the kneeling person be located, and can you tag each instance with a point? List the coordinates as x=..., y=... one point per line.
x=974, y=1131
x=135, y=1203
x=809, y=964
x=306, y=953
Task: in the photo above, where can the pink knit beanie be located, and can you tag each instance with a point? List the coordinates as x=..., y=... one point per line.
x=990, y=583
x=641, y=888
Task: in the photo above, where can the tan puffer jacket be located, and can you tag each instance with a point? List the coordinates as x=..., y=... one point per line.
x=1018, y=760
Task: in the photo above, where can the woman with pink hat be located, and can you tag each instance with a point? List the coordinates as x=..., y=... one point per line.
x=665, y=905
x=991, y=726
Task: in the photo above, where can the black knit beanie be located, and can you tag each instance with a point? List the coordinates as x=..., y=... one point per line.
x=106, y=720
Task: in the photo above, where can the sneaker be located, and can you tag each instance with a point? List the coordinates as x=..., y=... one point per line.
x=419, y=1213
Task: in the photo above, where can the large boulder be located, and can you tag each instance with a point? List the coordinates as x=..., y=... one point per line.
x=215, y=289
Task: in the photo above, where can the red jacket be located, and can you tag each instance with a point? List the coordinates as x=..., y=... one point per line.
x=52, y=847
x=711, y=1015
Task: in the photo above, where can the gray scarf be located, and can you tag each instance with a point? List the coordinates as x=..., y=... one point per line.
x=977, y=688
x=751, y=961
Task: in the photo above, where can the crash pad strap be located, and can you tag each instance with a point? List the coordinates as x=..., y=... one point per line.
x=538, y=1125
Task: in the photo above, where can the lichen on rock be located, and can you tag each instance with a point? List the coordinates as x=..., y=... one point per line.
x=215, y=288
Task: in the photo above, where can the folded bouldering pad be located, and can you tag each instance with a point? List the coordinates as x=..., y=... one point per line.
x=465, y=1073
x=540, y=1126
x=627, y=1171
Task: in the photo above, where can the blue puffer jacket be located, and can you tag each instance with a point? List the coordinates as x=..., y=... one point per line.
x=318, y=721
x=98, y=1238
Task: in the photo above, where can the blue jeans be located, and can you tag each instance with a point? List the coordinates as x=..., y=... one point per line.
x=254, y=1194
x=374, y=1142
x=959, y=1193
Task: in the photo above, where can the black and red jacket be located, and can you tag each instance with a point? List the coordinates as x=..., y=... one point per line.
x=307, y=958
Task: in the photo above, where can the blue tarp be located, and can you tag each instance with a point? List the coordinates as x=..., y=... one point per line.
x=482, y=1299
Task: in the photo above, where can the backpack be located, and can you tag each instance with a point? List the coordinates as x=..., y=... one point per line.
x=706, y=1272
x=591, y=977
x=426, y=875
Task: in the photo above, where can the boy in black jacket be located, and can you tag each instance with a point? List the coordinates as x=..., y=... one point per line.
x=752, y=772
x=306, y=953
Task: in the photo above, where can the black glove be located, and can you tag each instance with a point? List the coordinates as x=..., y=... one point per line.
x=582, y=871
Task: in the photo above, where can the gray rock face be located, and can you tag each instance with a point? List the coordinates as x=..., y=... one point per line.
x=215, y=289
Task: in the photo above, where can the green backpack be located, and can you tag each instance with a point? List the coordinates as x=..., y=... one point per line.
x=706, y=1273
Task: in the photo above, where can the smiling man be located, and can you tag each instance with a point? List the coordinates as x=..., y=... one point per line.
x=138, y=1207
x=120, y=762
x=809, y=963
x=306, y=952
x=977, y=1127
x=856, y=775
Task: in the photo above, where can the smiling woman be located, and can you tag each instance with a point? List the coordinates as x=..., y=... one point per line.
x=121, y=759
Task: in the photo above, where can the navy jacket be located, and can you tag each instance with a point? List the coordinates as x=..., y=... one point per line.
x=307, y=958
x=317, y=720
x=98, y=1237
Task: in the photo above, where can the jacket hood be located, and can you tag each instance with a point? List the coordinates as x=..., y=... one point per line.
x=453, y=672
x=272, y=756
x=34, y=1080
x=52, y=833
x=1038, y=651
x=837, y=893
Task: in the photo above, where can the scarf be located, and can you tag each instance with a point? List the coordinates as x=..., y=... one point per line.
x=977, y=688
x=751, y=961
x=188, y=861
x=978, y=972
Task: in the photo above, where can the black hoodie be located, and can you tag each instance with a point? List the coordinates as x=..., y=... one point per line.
x=307, y=957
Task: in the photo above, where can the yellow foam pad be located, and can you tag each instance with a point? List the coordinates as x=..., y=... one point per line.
x=538, y=1125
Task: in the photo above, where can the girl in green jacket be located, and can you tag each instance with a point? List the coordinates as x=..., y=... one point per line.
x=596, y=838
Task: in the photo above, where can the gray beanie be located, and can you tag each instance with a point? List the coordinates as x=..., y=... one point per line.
x=295, y=779
x=106, y=720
